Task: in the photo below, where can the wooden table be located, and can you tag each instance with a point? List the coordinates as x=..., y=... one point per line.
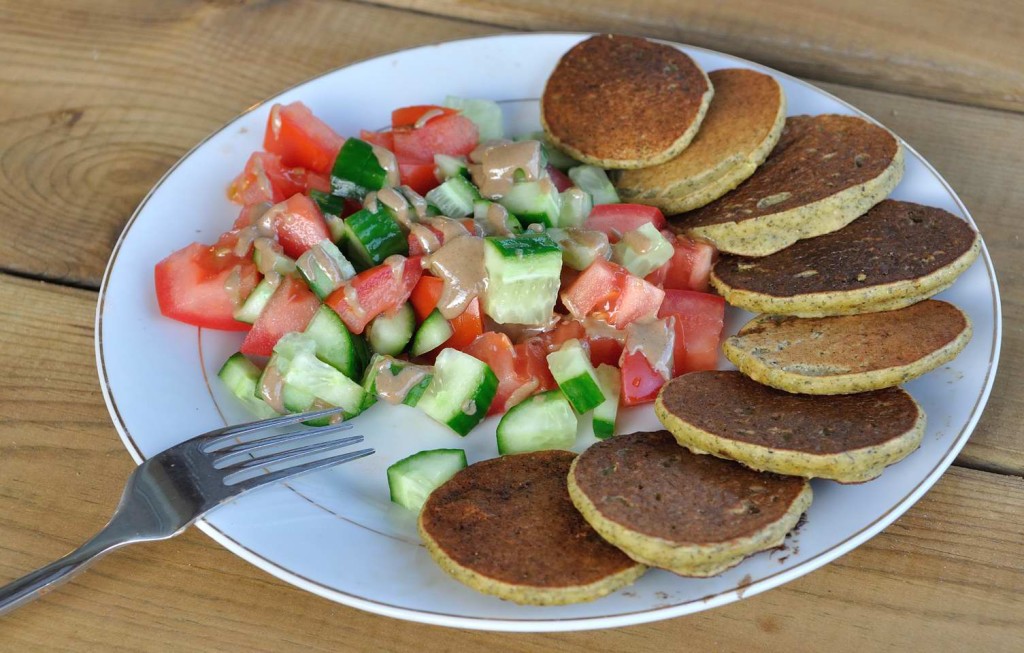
x=99, y=98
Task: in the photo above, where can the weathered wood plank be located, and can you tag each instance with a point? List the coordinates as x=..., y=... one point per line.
x=951, y=566
x=962, y=52
x=99, y=102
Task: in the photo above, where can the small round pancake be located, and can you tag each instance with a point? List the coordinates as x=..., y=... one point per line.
x=896, y=254
x=742, y=126
x=506, y=527
x=667, y=507
x=624, y=102
x=824, y=172
x=849, y=438
x=849, y=353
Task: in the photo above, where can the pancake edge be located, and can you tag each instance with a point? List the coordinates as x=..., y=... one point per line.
x=842, y=384
x=696, y=560
x=671, y=152
x=694, y=192
x=871, y=299
x=851, y=466
x=526, y=594
x=773, y=232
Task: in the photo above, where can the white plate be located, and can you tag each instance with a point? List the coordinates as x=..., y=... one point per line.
x=335, y=533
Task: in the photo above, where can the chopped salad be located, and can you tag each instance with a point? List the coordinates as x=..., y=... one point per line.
x=440, y=265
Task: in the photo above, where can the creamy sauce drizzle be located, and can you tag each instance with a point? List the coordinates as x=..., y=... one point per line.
x=601, y=329
x=655, y=339
x=397, y=205
x=416, y=201
x=271, y=386
x=460, y=264
x=387, y=160
x=499, y=164
x=393, y=388
x=427, y=239
x=495, y=221
x=637, y=242
x=427, y=117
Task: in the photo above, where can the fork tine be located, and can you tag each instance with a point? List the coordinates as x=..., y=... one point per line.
x=214, y=439
x=282, y=456
x=284, y=438
x=263, y=479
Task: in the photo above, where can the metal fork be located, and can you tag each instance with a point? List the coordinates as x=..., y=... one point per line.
x=169, y=491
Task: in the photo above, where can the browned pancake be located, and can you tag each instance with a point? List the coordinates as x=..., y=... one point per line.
x=667, y=507
x=849, y=438
x=849, y=353
x=824, y=172
x=624, y=102
x=742, y=126
x=506, y=527
x=898, y=252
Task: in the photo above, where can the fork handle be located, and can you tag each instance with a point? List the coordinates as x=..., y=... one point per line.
x=42, y=580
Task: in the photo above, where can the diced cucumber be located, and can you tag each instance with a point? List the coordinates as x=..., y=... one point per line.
x=357, y=164
x=523, y=275
x=642, y=250
x=369, y=238
x=576, y=205
x=570, y=365
x=494, y=219
x=606, y=411
x=581, y=247
x=241, y=376
x=543, y=421
x=300, y=401
x=450, y=166
x=554, y=156
x=454, y=197
x=336, y=345
x=412, y=479
x=329, y=205
x=300, y=368
x=389, y=333
x=381, y=364
x=433, y=333
x=533, y=202
x=324, y=268
x=336, y=226
x=255, y=302
x=485, y=114
x=272, y=258
x=595, y=181
x=461, y=391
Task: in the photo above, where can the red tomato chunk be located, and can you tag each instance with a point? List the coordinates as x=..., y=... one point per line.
x=702, y=316
x=202, y=285
x=300, y=138
x=290, y=308
x=378, y=290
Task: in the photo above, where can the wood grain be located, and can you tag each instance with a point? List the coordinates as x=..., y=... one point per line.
x=943, y=49
x=951, y=564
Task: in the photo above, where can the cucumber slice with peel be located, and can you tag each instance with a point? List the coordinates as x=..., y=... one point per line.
x=595, y=181
x=543, y=421
x=523, y=276
x=391, y=332
x=412, y=479
x=433, y=333
x=241, y=376
x=606, y=412
x=642, y=250
x=461, y=391
x=576, y=378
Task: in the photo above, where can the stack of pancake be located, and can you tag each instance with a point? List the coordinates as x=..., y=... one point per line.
x=842, y=279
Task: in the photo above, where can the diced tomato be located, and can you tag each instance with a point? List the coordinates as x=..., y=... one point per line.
x=559, y=179
x=384, y=139
x=316, y=181
x=265, y=179
x=465, y=327
x=300, y=138
x=617, y=219
x=678, y=344
x=641, y=378
x=638, y=300
x=553, y=339
x=377, y=290
x=514, y=383
x=290, y=308
x=454, y=134
x=532, y=363
x=640, y=382
x=702, y=316
x=299, y=224
x=613, y=294
x=596, y=289
x=690, y=265
x=604, y=350
x=407, y=116
x=197, y=285
x=418, y=176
